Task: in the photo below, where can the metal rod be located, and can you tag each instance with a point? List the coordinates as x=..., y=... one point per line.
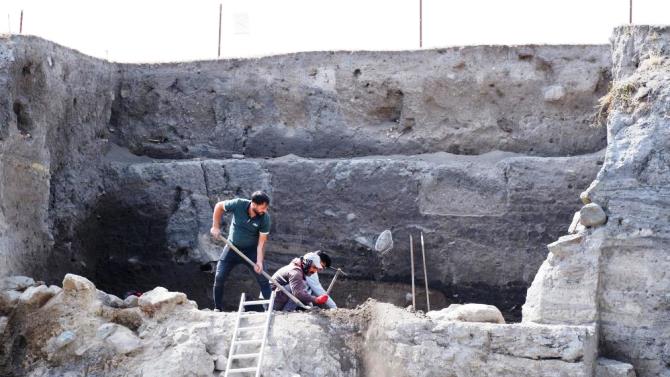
x=421, y=23
x=425, y=274
x=332, y=282
x=218, y=55
x=411, y=254
x=286, y=292
x=630, y=12
x=21, y=23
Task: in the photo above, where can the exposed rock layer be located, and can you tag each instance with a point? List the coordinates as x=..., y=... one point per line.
x=616, y=275
x=130, y=223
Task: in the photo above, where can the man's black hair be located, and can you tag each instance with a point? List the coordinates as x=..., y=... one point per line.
x=325, y=258
x=259, y=197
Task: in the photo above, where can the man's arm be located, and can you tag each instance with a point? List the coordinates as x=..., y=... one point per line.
x=298, y=288
x=314, y=284
x=216, y=219
x=260, y=252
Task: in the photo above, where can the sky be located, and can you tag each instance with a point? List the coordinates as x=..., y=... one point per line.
x=167, y=30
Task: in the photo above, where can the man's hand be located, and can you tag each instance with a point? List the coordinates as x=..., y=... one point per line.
x=320, y=300
x=258, y=267
x=215, y=232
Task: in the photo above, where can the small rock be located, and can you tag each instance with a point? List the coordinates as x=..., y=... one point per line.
x=612, y=368
x=468, y=313
x=237, y=156
x=74, y=283
x=585, y=197
x=592, y=215
x=82, y=349
x=384, y=242
x=131, y=318
x=105, y=330
x=160, y=299
x=120, y=338
x=65, y=338
x=641, y=93
x=221, y=362
x=131, y=301
x=351, y=217
x=575, y=225
x=565, y=245
x=9, y=300
x=16, y=283
x=36, y=295
x=110, y=300
x=554, y=93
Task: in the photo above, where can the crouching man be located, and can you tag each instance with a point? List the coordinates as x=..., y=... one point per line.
x=314, y=286
x=292, y=277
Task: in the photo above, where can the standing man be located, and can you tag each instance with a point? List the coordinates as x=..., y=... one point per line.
x=248, y=231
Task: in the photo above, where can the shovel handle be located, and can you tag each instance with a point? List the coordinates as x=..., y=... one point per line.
x=332, y=282
x=265, y=274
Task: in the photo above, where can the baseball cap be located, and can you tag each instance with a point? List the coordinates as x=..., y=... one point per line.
x=316, y=260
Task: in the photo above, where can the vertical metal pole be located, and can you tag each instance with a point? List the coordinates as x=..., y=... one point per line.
x=630, y=12
x=218, y=55
x=421, y=23
x=411, y=254
x=21, y=23
x=9, y=24
x=425, y=274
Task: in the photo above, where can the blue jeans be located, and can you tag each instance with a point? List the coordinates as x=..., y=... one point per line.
x=228, y=260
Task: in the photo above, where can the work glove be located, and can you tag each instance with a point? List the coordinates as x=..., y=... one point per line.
x=320, y=300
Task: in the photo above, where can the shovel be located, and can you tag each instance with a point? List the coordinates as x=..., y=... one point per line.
x=265, y=274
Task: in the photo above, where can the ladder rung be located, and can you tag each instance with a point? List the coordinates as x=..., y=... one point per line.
x=252, y=314
x=242, y=370
x=257, y=302
x=250, y=341
x=251, y=328
x=245, y=355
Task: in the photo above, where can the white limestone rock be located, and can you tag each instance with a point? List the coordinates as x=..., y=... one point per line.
x=575, y=225
x=468, y=313
x=38, y=295
x=554, y=93
x=120, y=338
x=9, y=300
x=612, y=368
x=592, y=215
x=160, y=300
x=131, y=301
x=406, y=346
x=16, y=283
x=110, y=300
x=564, y=290
x=79, y=287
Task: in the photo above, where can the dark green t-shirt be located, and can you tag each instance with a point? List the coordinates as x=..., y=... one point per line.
x=244, y=230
